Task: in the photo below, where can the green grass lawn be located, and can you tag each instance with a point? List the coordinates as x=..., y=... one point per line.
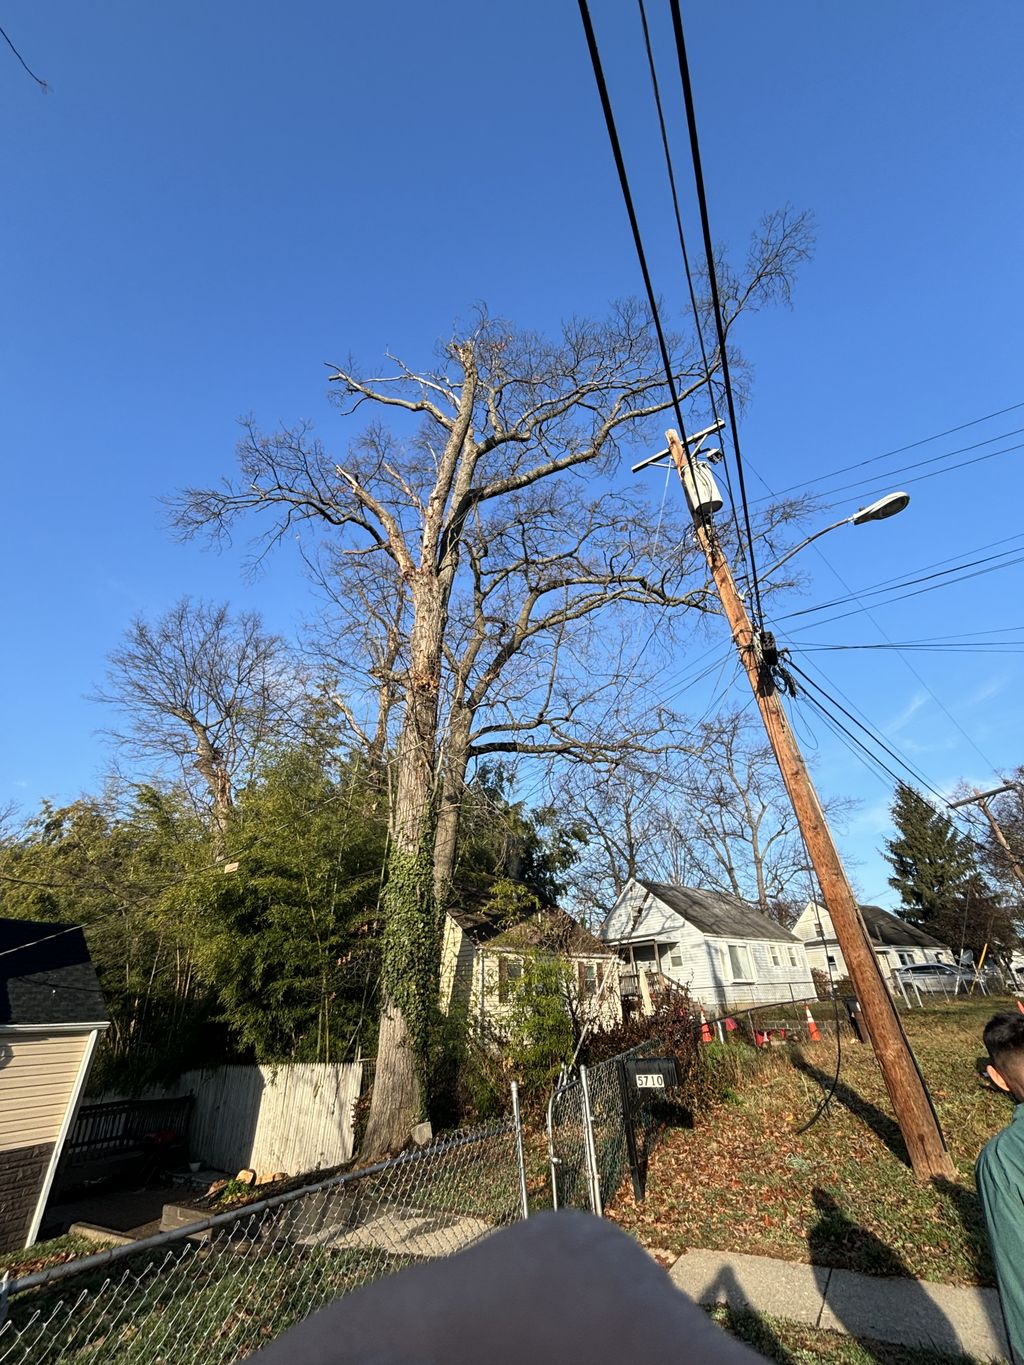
x=793, y=1343
x=745, y=1179
x=44, y=1254
x=216, y=1304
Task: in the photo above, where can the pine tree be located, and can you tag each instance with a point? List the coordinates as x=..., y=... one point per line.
x=932, y=864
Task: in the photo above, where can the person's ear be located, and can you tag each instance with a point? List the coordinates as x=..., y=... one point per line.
x=997, y=1078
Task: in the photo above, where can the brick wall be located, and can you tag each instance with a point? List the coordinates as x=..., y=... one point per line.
x=22, y=1170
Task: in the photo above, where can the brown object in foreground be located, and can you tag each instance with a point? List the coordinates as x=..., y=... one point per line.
x=906, y=1087
x=246, y=1177
x=562, y=1287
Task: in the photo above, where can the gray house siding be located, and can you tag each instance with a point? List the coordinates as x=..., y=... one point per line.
x=719, y=971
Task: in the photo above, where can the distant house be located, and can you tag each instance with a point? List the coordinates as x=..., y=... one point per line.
x=722, y=950
x=483, y=957
x=51, y=1016
x=896, y=943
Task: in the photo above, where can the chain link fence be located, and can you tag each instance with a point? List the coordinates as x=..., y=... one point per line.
x=588, y=1120
x=220, y=1288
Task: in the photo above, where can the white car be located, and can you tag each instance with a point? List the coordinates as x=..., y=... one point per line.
x=936, y=976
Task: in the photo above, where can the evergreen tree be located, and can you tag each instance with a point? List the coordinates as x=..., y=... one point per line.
x=932, y=864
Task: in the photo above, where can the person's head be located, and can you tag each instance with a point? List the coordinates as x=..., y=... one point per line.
x=1004, y=1039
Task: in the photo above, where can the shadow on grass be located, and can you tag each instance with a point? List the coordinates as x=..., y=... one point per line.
x=850, y=1301
x=881, y=1124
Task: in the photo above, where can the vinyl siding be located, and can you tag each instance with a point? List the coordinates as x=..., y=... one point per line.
x=655, y=933
x=890, y=957
x=37, y=1079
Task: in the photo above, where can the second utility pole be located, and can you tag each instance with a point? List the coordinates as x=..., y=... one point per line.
x=910, y=1099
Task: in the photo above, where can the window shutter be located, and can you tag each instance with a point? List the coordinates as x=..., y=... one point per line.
x=502, y=978
x=600, y=975
x=581, y=972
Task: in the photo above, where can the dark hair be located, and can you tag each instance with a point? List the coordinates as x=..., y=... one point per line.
x=1004, y=1038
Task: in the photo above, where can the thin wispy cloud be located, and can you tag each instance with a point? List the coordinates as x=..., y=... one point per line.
x=911, y=709
x=988, y=690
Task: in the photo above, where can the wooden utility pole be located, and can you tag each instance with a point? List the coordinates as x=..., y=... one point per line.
x=982, y=799
x=910, y=1100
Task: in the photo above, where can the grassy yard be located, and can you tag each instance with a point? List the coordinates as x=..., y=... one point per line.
x=841, y=1194
x=793, y=1343
x=44, y=1254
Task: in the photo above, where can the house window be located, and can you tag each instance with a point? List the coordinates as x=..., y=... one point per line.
x=906, y=959
x=510, y=973
x=675, y=957
x=794, y=959
x=739, y=962
x=831, y=961
x=775, y=953
x=591, y=976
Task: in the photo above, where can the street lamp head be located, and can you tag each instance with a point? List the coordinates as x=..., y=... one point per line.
x=884, y=507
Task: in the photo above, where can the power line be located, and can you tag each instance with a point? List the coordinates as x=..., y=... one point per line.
x=863, y=484
x=869, y=730
x=38, y=79
x=913, y=445
x=949, y=647
x=901, y=597
x=620, y=166
x=897, y=584
x=716, y=303
x=918, y=778
x=698, y=325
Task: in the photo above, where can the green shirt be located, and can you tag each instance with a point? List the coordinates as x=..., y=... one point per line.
x=1000, y=1176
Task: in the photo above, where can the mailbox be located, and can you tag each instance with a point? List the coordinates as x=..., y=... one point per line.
x=652, y=1073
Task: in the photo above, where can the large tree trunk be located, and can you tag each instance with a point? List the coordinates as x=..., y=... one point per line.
x=411, y=947
x=449, y=810
x=397, y=1089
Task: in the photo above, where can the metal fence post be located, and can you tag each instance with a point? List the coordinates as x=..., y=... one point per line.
x=520, y=1158
x=589, y=1147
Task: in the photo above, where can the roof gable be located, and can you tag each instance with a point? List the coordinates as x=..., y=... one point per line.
x=549, y=929
x=47, y=976
x=718, y=914
x=891, y=931
x=884, y=928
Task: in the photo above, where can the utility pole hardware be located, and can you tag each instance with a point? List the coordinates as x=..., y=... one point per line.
x=904, y=1082
x=982, y=798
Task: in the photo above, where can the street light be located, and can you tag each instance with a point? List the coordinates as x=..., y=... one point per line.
x=875, y=511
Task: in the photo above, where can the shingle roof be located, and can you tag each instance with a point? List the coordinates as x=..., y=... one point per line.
x=717, y=913
x=46, y=975
x=548, y=928
x=892, y=931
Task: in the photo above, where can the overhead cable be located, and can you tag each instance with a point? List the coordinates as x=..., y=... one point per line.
x=899, y=450
x=716, y=303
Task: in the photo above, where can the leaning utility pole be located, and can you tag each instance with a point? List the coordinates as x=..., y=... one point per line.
x=910, y=1100
x=982, y=798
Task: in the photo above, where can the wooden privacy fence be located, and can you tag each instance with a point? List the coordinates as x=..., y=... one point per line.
x=294, y=1117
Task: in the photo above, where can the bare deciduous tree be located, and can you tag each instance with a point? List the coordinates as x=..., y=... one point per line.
x=502, y=444
x=204, y=691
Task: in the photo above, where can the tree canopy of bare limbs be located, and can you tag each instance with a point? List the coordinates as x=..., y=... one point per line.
x=470, y=543
x=204, y=691
x=714, y=815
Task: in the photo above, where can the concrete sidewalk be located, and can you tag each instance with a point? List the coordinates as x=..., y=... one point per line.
x=905, y=1312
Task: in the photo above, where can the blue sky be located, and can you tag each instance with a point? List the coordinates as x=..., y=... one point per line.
x=215, y=200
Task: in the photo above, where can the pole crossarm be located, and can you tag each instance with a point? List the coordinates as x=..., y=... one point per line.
x=982, y=799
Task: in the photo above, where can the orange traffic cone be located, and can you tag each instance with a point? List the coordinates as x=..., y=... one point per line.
x=1020, y=1006
x=705, y=1027
x=812, y=1027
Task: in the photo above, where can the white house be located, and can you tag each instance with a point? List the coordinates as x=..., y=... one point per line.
x=482, y=960
x=722, y=950
x=896, y=943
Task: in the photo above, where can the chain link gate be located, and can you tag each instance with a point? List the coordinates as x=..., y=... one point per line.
x=592, y=1121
